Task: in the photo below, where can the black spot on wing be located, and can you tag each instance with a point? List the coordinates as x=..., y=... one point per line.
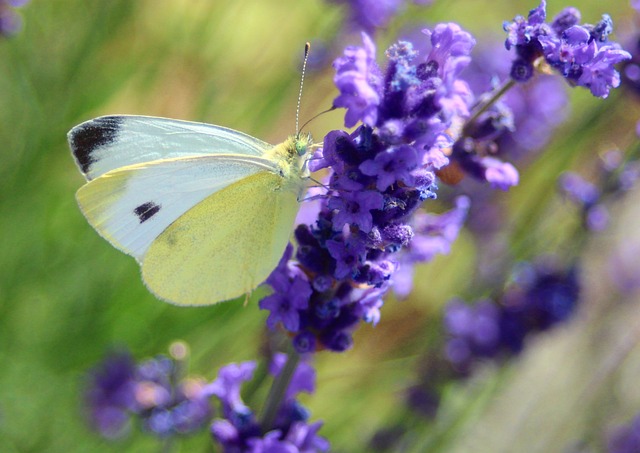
x=146, y=210
x=85, y=138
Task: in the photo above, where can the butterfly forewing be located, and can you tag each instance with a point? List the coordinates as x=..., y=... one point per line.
x=111, y=142
x=132, y=206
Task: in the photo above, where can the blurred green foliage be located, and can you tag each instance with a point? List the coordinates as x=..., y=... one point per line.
x=66, y=296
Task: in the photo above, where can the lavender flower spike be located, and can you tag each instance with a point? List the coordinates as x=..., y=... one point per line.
x=359, y=80
x=379, y=175
x=239, y=430
x=581, y=53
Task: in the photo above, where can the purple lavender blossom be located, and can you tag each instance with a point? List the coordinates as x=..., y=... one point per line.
x=348, y=255
x=359, y=80
x=284, y=305
x=574, y=187
x=239, y=430
x=623, y=265
x=582, y=54
x=523, y=31
x=170, y=407
x=599, y=75
x=354, y=208
x=379, y=176
x=630, y=74
x=450, y=44
x=536, y=107
x=580, y=59
x=464, y=154
x=434, y=233
x=150, y=391
x=227, y=386
x=370, y=304
x=306, y=439
x=450, y=54
x=391, y=166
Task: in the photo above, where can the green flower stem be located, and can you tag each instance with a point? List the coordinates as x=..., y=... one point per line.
x=483, y=106
x=278, y=390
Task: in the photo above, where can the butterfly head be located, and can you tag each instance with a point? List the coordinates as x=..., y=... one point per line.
x=302, y=143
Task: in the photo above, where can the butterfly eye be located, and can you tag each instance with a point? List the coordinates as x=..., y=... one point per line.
x=301, y=148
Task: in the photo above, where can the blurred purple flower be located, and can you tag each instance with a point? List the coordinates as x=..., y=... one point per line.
x=151, y=391
x=577, y=189
x=368, y=15
x=433, y=234
x=305, y=437
x=624, y=262
x=541, y=296
x=625, y=438
x=110, y=395
x=582, y=54
x=501, y=175
x=616, y=176
x=535, y=108
x=239, y=430
x=474, y=332
x=10, y=20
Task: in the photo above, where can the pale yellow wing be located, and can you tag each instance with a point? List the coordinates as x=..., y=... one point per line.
x=226, y=245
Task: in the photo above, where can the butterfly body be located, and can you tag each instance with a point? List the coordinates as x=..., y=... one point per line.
x=207, y=211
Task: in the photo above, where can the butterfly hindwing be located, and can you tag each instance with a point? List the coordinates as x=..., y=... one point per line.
x=111, y=142
x=132, y=206
x=224, y=246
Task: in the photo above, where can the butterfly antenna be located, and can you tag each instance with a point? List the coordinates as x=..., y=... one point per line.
x=317, y=115
x=307, y=47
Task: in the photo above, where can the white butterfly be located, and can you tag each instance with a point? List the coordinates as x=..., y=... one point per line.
x=207, y=211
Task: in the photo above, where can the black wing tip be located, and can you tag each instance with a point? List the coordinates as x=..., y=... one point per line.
x=85, y=138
